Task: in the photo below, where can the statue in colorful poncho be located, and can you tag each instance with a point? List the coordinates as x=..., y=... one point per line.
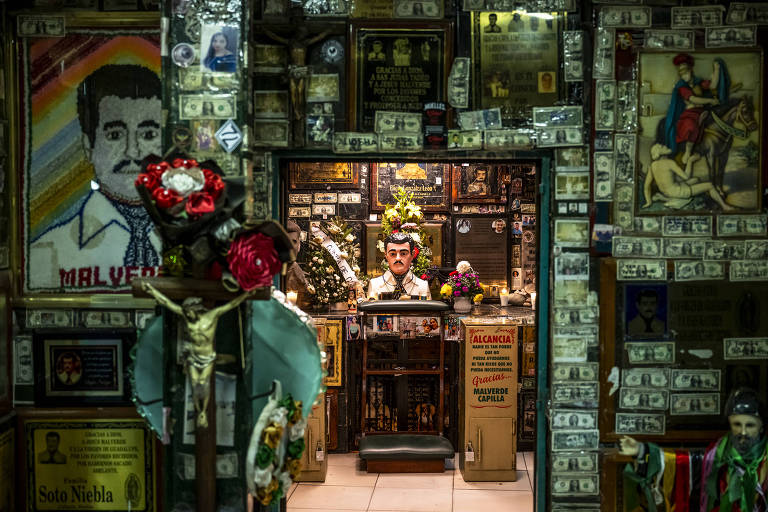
x=731, y=475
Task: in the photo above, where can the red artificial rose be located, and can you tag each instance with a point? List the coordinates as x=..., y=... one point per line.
x=453, y=273
x=214, y=185
x=253, y=260
x=149, y=180
x=165, y=198
x=186, y=163
x=199, y=203
x=159, y=167
x=415, y=253
x=423, y=276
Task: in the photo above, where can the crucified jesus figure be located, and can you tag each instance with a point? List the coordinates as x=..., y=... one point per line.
x=199, y=349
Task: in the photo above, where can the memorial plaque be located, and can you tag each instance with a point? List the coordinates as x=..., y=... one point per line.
x=81, y=368
x=428, y=182
x=89, y=465
x=483, y=243
x=319, y=175
x=397, y=67
x=516, y=62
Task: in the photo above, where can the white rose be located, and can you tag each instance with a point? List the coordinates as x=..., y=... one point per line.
x=416, y=237
x=344, y=254
x=350, y=238
x=279, y=416
x=329, y=269
x=285, y=479
x=463, y=267
x=311, y=289
x=262, y=477
x=297, y=430
x=380, y=245
x=320, y=261
x=314, y=258
x=355, y=269
x=184, y=181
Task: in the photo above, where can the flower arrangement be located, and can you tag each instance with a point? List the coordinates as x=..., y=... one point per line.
x=271, y=478
x=406, y=216
x=463, y=282
x=181, y=188
x=325, y=281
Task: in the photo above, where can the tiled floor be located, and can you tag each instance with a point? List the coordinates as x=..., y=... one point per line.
x=348, y=488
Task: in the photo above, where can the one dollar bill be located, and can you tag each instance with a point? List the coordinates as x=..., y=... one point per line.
x=354, y=142
x=641, y=270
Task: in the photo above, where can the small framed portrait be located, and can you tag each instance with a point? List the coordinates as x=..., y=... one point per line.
x=478, y=184
x=572, y=232
x=547, y=82
x=645, y=311
x=334, y=352
x=82, y=367
x=270, y=133
x=270, y=104
x=269, y=58
x=354, y=328
x=384, y=324
x=323, y=87
x=319, y=130
x=219, y=48
x=204, y=132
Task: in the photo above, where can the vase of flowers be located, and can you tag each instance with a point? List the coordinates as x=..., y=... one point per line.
x=463, y=286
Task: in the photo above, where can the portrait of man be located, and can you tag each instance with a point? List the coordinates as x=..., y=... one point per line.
x=69, y=368
x=546, y=81
x=377, y=51
x=646, y=311
x=479, y=185
x=98, y=236
x=399, y=278
x=492, y=27
x=51, y=454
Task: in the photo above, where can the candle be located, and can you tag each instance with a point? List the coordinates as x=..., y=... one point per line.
x=292, y=297
x=504, y=297
x=533, y=300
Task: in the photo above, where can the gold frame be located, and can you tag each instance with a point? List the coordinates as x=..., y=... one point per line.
x=333, y=338
x=12, y=47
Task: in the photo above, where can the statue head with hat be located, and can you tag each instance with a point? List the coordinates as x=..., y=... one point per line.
x=746, y=415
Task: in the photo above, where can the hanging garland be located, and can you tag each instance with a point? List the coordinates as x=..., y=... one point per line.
x=332, y=247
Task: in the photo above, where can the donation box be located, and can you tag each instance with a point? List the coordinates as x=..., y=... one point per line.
x=488, y=406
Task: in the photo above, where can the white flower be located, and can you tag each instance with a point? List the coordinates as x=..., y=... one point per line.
x=297, y=430
x=314, y=258
x=329, y=269
x=355, y=269
x=416, y=237
x=333, y=228
x=380, y=245
x=463, y=267
x=311, y=289
x=357, y=252
x=344, y=254
x=184, y=181
x=262, y=477
x=320, y=261
x=285, y=479
x=318, y=240
x=350, y=238
x=279, y=416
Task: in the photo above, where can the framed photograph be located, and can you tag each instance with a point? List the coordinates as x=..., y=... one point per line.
x=323, y=87
x=418, y=326
x=320, y=175
x=354, y=328
x=82, y=367
x=334, y=351
x=720, y=142
x=116, y=73
x=58, y=452
x=204, y=133
x=271, y=133
x=383, y=324
x=429, y=183
x=572, y=159
x=572, y=185
x=219, y=48
x=270, y=104
x=319, y=130
x=645, y=310
x=374, y=252
x=507, y=73
x=387, y=59
x=270, y=58
x=479, y=183
x=572, y=232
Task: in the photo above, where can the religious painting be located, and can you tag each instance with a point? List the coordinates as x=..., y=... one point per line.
x=515, y=57
x=89, y=121
x=374, y=245
x=320, y=175
x=479, y=183
x=699, y=140
x=428, y=182
x=398, y=68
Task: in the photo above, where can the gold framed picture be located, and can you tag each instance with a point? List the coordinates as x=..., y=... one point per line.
x=334, y=350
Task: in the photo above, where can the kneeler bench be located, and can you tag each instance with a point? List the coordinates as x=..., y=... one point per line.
x=405, y=453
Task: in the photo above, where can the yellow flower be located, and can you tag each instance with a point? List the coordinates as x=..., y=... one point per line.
x=478, y=298
x=390, y=213
x=272, y=435
x=294, y=468
x=446, y=290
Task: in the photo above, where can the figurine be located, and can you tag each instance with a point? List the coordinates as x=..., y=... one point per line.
x=732, y=472
x=199, y=350
x=399, y=278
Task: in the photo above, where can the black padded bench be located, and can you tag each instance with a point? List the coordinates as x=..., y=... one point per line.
x=405, y=453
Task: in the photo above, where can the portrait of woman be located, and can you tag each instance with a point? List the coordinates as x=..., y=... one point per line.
x=221, y=54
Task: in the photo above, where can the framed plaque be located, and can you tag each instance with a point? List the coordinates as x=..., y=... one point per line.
x=479, y=183
x=515, y=58
x=482, y=241
x=396, y=67
x=81, y=367
x=374, y=234
x=89, y=464
x=319, y=175
x=428, y=182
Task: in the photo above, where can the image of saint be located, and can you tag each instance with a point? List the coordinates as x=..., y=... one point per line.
x=399, y=278
x=69, y=368
x=479, y=186
x=401, y=52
